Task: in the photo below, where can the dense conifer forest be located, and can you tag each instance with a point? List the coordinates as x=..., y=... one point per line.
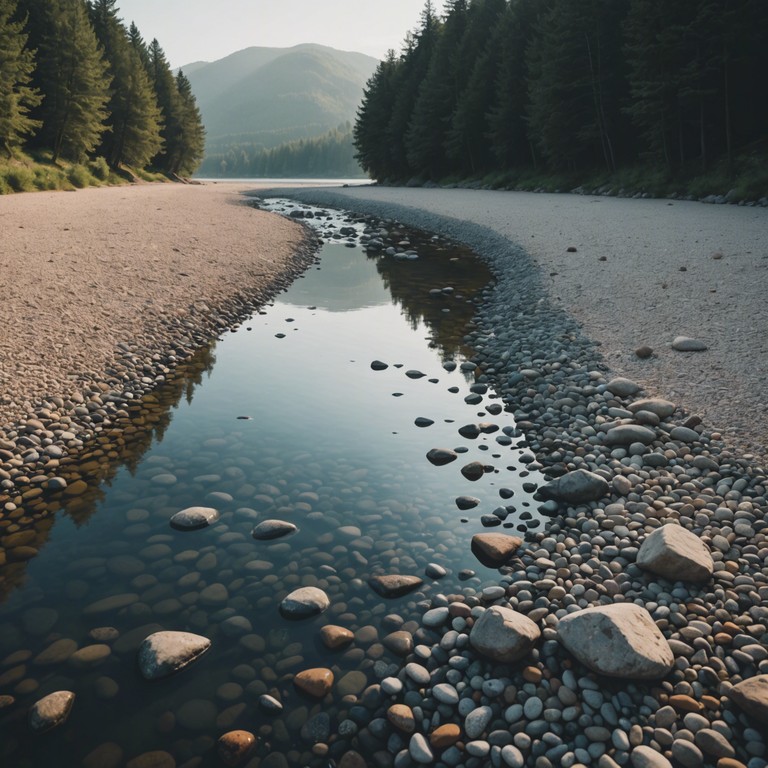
x=331, y=155
x=653, y=93
x=79, y=89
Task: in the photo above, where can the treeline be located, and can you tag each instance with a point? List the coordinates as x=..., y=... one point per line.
x=569, y=86
x=76, y=83
x=331, y=155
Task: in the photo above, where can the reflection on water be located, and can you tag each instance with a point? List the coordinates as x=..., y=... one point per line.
x=291, y=423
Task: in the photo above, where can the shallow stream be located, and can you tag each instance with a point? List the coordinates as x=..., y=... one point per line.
x=283, y=418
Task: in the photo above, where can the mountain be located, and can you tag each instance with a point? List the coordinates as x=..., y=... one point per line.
x=264, y=97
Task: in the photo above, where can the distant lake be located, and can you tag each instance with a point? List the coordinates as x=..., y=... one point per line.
x=289, y=182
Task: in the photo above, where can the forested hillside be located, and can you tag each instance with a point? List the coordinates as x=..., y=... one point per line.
x=279, y=105
x=329, y=156
x=78, y=87
x=650, y=91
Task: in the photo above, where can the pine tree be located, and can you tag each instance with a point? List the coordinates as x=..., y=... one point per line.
x=169, y=101
x=438, y=93
x=192, y=140
x=134, y=121
x=371, y=134
x=17, y=64
x=71, y=75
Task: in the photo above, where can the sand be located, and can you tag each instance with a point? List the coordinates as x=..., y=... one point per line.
x=83, y=272
x=670, y=268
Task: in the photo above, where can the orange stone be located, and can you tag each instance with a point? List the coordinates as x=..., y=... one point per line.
x=532, y=675
x=445, y=736
x=336, y=637
x=683, y=703
x=402, y=718
x=315, y=682
x=235, y=746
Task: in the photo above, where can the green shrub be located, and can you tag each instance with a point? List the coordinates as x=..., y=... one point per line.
x=99, y=168
x=19, y=178
x=78, y=176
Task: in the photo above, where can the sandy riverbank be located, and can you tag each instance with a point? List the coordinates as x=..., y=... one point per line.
x=644, y=271
x=82, y=273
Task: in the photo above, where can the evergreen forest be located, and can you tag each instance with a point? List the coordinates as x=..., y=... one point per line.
x=331, y=155
x=82, y=91
x=658, y=94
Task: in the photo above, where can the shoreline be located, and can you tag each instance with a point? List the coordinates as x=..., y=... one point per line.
x=642, y=273
x=177, y=277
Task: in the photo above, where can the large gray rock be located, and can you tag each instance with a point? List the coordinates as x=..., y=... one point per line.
x=751, y=695
x=626, y=434
x=662, y=408
x=50, y=711
x=619, y=640
x=395, y=584
x=576, y=487
x=164, y=653
x=623, y=387
x=272, y=529
x=495, y=549
x=304, y=602
x=192, y=518
x=687, y=344
x=503, y=635
x=675, y=553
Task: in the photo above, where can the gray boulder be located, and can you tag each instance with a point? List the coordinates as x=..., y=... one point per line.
x=50, y=711
x=272, y=529
x=163, y=653
x=687, y=344
x=751, y=695
x=494, y=549
x=576, y=487
x=192, y=518
x=394, y=585
x=503, y=635
x=662, y=408
x=619, y=640
x=626, y=434
x=675, y=553
x=623, y=387
x=304, y=602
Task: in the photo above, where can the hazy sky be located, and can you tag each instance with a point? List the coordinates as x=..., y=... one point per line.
x=194, y=30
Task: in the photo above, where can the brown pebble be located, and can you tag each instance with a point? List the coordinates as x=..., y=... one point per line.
x=683, y=703
x=314, y=682
x=717, y=256
x=6, y=701
x=723, y=638
x=352, y=759
x=235, y=746
x=532, y=675
x=571, y=249
x=644, y=352
x=710, y=702
x=445, y=736
x=336, y=637
x=402, y=718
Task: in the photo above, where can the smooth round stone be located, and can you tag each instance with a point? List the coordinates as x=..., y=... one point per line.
x=194, y=518
x=422, y=421
x=466, y=502
x=477, y=721
x=473, y=471
x=533, y=708
x=106, y=688
x=51, y=711
x=233, y=747
x=214, y=595
x=688, y=344
x=391, y=686
x=511, y=756
x=477, y=748
x=441, y=456
x=236, y=626
x=164, y=653
x=56, y=653
x=270, y=703
x=90, y=656
x=435, y=617
x=378, y=365
x=417, y=673
x=435, y=571
x=272, y=529
x=445, y=736
x=304, y=602
x=401, y=716
x=445, y=694
x=394, y=585
x=165, y=478
x=646, y=757
x=111, y=604
x=314, y=682
x=419, y=749
x=352, y=683
x=106, y=755
x=399, y=642
x=335, y=637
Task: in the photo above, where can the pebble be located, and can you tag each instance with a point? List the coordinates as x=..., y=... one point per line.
x=51, y=711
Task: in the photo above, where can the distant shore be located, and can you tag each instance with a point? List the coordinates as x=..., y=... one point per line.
x=109, y=286
x=642, y=273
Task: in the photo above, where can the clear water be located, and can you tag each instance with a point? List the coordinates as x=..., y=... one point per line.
x=286, y=418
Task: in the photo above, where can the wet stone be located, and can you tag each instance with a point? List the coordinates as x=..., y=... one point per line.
x=272, y=529
x=234, y=746
x=394, y=585
x=194, y=518
x=314, y=682
x=164, y=653
x=335, y=637
x=304, y=602
x=51, y=711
